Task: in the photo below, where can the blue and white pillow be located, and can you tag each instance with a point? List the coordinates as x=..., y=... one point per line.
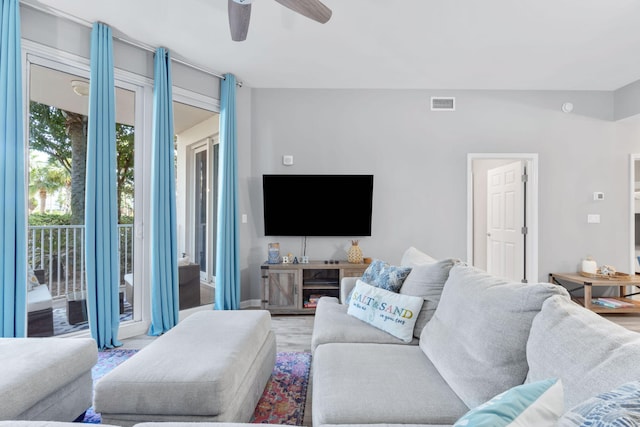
x=382, y=275
x=537, y=404
x=615, y=408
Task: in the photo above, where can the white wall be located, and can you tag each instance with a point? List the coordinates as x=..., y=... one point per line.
x=418, y=158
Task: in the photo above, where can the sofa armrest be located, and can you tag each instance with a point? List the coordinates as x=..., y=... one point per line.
x=346, y=285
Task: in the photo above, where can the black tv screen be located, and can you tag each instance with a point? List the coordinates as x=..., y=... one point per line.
x=317, y=205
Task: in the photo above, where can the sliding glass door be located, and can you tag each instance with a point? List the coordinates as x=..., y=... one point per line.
x=57, y=141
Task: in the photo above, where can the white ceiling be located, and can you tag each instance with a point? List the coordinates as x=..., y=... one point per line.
x=412, y=44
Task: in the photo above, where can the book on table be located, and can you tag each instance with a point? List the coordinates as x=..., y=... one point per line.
x=611, y=302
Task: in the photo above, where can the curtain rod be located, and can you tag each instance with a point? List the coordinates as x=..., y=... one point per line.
x=64, y=15
x=146, y=47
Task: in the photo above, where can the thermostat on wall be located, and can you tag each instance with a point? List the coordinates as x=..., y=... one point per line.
x=598, y=195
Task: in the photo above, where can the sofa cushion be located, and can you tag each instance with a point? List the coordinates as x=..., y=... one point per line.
x=413, y=257
x=332, y=324
x=39, y=298
x=536, y=404
x=589, y=353
x=621, y=405
x=379, y=384
x=478, y=334
x=388, y=311
x=427, y=281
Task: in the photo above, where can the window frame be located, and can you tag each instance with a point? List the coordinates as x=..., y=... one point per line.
x=34, y=53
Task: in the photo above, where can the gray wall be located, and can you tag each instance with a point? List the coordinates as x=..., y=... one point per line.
x=419, y=160
x=627, y=101
x=75, y=38
x=418, y=157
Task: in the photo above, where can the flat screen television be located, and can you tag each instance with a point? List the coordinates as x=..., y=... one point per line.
x=317, y=205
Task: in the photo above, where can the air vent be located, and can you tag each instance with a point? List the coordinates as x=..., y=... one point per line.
x=440, y=103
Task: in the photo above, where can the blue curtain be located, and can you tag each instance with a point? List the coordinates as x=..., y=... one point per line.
x=13, y=231
x=228, y=243
x=101, y=210
x=164, y=248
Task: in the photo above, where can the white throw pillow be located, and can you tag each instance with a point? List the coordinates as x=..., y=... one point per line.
x=388, y=311
x=538, y=404
x=32, y=280
x=413, y=257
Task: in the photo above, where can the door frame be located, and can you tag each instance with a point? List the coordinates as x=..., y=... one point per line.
x=531, y=246
x=633, y=157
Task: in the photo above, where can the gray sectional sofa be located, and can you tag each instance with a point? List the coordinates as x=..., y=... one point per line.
x=479, y=336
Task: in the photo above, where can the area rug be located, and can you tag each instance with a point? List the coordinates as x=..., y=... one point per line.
x=285, y=395
x=282, y=401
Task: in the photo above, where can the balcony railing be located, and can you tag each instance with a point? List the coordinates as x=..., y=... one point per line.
x=58, y=250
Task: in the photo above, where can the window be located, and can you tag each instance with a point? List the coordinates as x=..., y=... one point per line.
x=196, y=184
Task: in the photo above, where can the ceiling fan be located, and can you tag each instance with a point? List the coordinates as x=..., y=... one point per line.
x=240, y=12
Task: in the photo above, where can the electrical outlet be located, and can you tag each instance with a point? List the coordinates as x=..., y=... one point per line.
x=593, y=218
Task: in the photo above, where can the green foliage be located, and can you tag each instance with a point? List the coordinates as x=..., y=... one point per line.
x=48, y=133
x=36, y=219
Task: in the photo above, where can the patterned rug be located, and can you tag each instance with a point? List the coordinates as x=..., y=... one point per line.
x=282, y=401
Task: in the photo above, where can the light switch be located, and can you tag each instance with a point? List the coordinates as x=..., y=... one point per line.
x=244, y=218
x=593, y=218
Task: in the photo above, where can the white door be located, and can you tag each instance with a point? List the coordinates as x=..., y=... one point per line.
x=505, y=222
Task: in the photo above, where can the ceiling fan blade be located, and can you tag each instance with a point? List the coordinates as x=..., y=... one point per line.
x=313, y=9
x=239, y=15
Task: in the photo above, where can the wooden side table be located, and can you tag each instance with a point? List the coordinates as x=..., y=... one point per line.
x=587, y=283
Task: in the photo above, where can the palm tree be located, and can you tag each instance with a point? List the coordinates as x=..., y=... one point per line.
x=46, y=179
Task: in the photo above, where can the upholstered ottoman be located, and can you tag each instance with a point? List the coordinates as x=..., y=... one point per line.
x=212, y=366
x=46, y=378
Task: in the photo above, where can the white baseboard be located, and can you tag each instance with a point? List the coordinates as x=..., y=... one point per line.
x=251, y=303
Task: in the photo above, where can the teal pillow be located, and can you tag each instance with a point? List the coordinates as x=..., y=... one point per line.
x=618, y=407
x=538, y=404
